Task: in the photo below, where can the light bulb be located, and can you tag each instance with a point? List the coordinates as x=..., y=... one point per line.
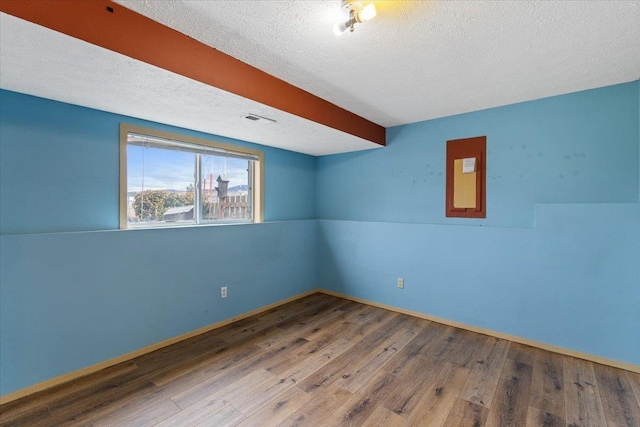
x=368, y=12
x=339, y=28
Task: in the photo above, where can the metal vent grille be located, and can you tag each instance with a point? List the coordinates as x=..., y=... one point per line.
x=259, y=119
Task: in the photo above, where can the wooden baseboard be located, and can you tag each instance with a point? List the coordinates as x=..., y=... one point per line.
x=153, y=347
x=491, y=333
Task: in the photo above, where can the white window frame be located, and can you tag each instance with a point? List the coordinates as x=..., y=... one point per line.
x=197, y=145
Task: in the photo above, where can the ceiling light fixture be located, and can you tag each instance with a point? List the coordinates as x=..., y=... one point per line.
x=357, y=15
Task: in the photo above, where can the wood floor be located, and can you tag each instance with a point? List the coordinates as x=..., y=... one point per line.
x=325, y=361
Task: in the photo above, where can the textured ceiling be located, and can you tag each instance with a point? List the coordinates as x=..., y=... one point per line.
x=416, y=60
x=420, y=60
x=42, y=62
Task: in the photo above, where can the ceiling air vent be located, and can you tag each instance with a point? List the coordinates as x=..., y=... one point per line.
x=259, y=119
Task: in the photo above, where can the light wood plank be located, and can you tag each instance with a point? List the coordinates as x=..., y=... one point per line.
x=547, y=388
x=616, y=394
x=227, y=416
x=362, y=329
x=30, y=415
x=408, y=387
x=307, y=328
x=140, y=416
x=215, y=402
x=368, y=315
x=70, y=423
x=538, y=418
x=583, y=406
x=195, y=345
x=445, y=347
x=355, y=376
x=634, y=379
x=467, y=414
x=510, y=403
x=320, y=407
x=439, y=398
x=485, y=374
x=522, y=353
x=361, y=405
x=279, y=409
x=195, y=414
x=412, y=353
x=194, y=369
x=39, y=401
x=270, y=389
x=281, y=365
x=469, y=347
x=313, y=316
x=382, y=417
x=224, y=372
x=326, y=376
x=106, y=398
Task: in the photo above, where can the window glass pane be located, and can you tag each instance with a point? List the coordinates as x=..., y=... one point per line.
x=160, y=186
x=225, y=188
x=170, y=181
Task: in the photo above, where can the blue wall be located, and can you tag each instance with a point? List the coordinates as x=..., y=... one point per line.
x=577, y=148
x=70, y=300
x=557, y=259
x=62, y=164
x=75, y=291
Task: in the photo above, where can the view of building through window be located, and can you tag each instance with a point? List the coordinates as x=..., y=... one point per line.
x=162, y=187
x=225, y=188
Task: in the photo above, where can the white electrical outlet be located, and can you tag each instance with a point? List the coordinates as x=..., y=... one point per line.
x=223, y=292
x=400, y=282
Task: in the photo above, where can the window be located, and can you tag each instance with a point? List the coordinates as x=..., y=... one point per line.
x=168, y=180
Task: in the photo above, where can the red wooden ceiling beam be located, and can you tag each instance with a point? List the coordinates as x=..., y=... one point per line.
x=114, y=27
